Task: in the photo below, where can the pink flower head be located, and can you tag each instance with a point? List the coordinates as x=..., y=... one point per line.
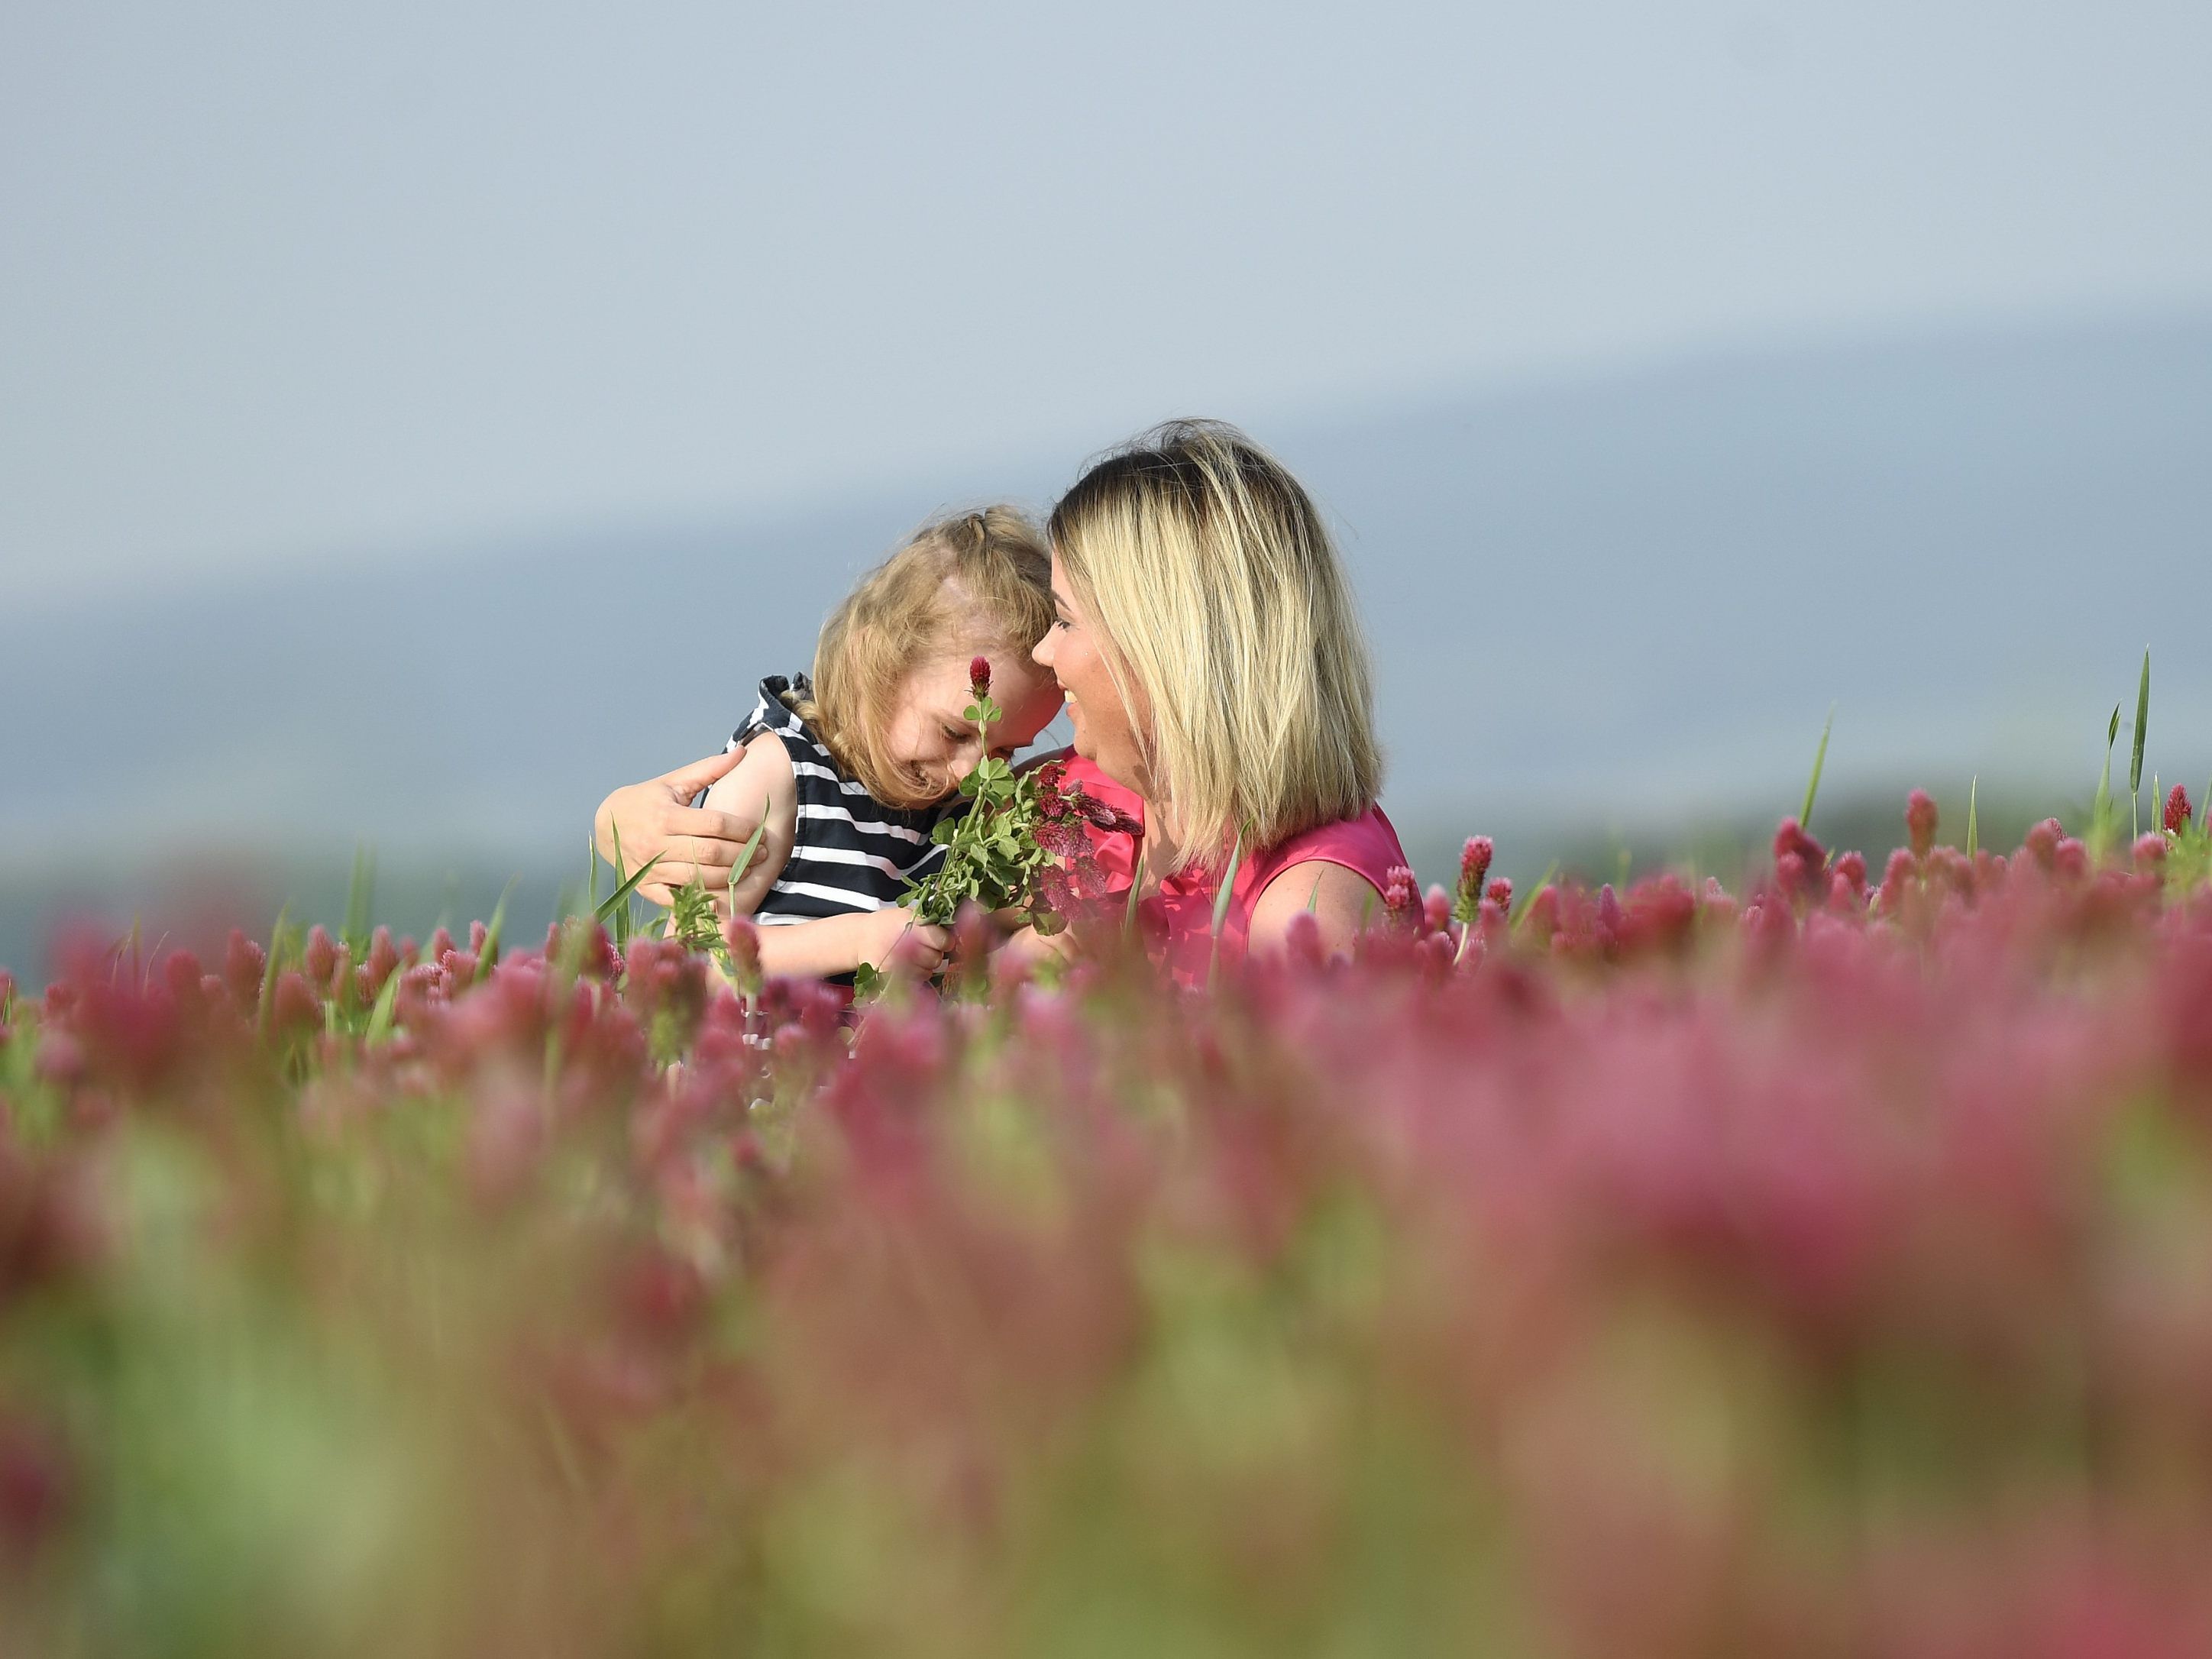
x=1474, y=865
x=1897, y=877
x=1435, y=911
x=1801, y=864
x=1062, y=837
x=383, y=957
x=1851, y=869
x=1500, y=893
x=742, y=936
x=2043, y=838
x=1102, y=816
x=2177, y=811
x=242, y=966
x=297, y=1010
x=2149, y=849
x=1920, y=821
x=979, y=676
x=1401, y=894
x=321, y=955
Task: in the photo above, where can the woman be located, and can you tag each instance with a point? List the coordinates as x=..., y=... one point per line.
x=1215, y=669
x=1220, y=688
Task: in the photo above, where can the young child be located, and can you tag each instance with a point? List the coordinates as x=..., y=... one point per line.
x=855, y=765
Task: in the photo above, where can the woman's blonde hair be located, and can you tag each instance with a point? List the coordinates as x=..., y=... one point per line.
x=987, y=574
x=1226, y=613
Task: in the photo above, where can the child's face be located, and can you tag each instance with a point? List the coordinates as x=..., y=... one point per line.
x=934, y=744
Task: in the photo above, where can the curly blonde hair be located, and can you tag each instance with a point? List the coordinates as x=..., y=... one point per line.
x=984, y=576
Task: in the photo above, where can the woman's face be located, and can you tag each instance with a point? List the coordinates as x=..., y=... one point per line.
x=1103, y=729
x=933, y=745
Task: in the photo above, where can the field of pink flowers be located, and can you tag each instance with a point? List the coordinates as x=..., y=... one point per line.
x=1825, y=1270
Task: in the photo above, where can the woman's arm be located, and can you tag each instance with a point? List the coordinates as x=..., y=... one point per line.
x=760, y=790
x=1342, y=902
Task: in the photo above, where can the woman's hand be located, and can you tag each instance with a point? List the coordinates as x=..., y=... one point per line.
x=657, y=817
x=1025, y=949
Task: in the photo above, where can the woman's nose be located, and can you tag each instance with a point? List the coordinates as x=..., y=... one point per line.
x=1042, y=654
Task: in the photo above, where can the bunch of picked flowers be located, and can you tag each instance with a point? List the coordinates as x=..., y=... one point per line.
x=1021, y=845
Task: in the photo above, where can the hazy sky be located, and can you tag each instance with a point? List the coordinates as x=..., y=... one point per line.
x=292, y=281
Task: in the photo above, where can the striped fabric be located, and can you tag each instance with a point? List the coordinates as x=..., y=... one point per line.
x=849, y=851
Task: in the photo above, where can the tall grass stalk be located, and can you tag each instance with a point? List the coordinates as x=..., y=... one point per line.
x=1221, y=902
x=2134, y=764
x=1819, y=760
x=2100, y=809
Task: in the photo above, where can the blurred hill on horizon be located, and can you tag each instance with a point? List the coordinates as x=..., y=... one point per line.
x=1623, y=601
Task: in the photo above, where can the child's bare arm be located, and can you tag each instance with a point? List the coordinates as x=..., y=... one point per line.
x=760, y=788
x=839, y=945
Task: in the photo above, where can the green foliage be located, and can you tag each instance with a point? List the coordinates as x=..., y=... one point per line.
x=361, y=897
x=489, y=956
x=613, y=912
x=2143, y=730
x=2104, y=823
x=1812, y=783
x=1221, y=902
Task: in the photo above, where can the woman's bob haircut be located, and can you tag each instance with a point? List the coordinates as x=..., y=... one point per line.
x=1224, y=614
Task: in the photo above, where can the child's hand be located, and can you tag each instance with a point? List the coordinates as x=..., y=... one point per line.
x=892, y=940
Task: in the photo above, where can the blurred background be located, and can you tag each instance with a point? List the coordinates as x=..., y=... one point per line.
x=416, y=420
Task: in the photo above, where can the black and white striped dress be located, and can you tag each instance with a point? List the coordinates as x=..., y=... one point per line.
x=849, y=851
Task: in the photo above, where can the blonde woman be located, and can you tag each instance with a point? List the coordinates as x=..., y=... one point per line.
x=1215, y=669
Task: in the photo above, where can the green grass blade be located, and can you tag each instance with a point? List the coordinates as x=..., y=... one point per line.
x=1228, y=886
x=615, y=903
x=2100, y=809
x=1819, y=759
x=379, y=1017
x=272, y=967
x=1973, y=823
x=747, y=853
x=2142, y=731
x=615, y=912
x=592, y=873
x=1136, y=893
x=360, y=894
x=1542, y=881
x=1221, y=907
x=492, y=931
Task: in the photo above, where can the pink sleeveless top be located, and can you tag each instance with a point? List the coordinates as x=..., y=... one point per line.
x=1178, y=921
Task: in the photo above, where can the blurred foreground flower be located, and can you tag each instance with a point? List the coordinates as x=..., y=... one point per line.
x=1666, y=1276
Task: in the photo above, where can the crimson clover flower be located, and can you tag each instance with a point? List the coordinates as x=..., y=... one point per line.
x=1801, y=864
x=1920, y=821
x=1474, y=865
x=2177, y=811
x=979, y=676
x=1101, y=814
x=1401, y=897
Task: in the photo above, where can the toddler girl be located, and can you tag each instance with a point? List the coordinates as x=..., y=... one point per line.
x=855, y=765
